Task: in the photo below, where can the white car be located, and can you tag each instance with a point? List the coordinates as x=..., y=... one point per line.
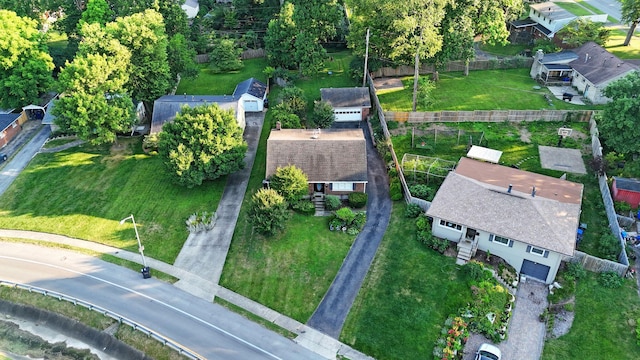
x=488, y=352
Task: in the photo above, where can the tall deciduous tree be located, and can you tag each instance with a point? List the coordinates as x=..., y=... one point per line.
x=144, y=35
x=631, y=15
x=619, y=125
x=181, y=57
x=94, y=105
x=202, y=143
x=97, y=11
x=581, y=31
x=25, y=65
x=280, y=37
x=290, y=182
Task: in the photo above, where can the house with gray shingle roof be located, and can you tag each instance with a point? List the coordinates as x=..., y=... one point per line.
x=252, y=93
x=334, y=160
x=595, y=68
x=529, y=220
x=167, y=107
x=349, y=104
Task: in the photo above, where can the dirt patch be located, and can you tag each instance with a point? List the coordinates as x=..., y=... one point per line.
x=525, y=135
x=388, y=84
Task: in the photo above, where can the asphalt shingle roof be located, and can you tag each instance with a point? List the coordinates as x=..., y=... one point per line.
x=627, y=184
x=167, y=107
x=598, y=65
x=475, y=194
x=335, y=155
x=7, y=119
x=252, y=87
x=346, y=97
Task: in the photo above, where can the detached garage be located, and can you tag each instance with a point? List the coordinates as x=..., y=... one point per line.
x=349, y=104
x=252, y=94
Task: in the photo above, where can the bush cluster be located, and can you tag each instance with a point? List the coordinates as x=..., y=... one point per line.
x=332, y=202
x=609, y=279
x=357, y=199
x=412, y=211
x=305, y=207
x=421, y=191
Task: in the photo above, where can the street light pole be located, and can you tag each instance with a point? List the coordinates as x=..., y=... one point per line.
x=145, y=270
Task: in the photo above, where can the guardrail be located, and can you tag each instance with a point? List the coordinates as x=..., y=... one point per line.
x=119, y=318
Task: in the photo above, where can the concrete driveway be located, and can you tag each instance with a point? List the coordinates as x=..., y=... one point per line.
x=22, y=157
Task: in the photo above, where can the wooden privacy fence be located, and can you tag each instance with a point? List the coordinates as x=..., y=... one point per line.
x=597, y=264
x=405, y=70
x=489, y=116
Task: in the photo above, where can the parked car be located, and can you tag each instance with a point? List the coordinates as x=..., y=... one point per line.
x=488, y=352
x=3, y=158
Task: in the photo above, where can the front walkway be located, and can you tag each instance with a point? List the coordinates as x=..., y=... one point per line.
x=525, y=339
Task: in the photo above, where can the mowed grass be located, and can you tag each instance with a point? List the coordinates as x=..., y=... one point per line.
x=614, y=45
x=289, y=272
x=504, y=50
x=601, y=325
x=406, y=297
x=593, y=9
x=85, y=191
x=210, y=83
x=574, y=8
x=510, y=89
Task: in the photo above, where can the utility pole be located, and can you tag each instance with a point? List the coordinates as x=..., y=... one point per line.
x=366, y=58
x=416, y=73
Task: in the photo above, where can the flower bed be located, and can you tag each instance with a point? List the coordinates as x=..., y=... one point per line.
x=454, y=335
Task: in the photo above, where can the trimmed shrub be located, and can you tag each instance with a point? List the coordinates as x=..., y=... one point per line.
x=304, y=207
x=422, y=222
x=346, y=215
x=575, y=271
x=421, y=191
x=395, y=190
x=412, y=211
x=357, y=199
x=332, y=202
x=268, y=212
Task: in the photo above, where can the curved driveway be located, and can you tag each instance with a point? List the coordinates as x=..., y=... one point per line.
x=208, y=329
x=330, y=315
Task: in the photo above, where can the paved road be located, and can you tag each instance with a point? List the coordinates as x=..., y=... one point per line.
x=206, y=328
x=12, y=169
x=611, y=7
x=330, y=315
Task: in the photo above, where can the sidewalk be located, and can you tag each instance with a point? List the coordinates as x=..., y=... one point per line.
x=307, y=336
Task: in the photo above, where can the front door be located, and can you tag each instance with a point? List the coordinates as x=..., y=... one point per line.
x=318, y=187
x=471, y=234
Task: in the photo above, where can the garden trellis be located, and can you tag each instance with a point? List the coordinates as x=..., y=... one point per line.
x=422, y=168
x=429, y=138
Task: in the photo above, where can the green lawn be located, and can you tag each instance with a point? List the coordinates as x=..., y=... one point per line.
x=504, y=50
x=482, y=90
x=600, y=327
x=338, y=65
x=85, y=191
x=406, y=297
x=289, y=272
x=593, y=9
x=209, y=83
x=614, y=45
x=574, y=8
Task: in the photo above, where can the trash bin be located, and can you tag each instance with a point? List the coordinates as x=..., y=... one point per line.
x=146, y=272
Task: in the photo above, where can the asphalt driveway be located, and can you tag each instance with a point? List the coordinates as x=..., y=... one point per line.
x=330, y=315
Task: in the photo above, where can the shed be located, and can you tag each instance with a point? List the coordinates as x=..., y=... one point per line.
x=626, y=190
x=349, y=104
x=167, y=107
x=252, y=93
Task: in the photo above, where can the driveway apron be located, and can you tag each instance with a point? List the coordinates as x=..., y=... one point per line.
x=330, y=315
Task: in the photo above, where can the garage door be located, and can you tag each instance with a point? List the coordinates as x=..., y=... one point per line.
x=251, y=105
x=348, y=114
x=535, y=270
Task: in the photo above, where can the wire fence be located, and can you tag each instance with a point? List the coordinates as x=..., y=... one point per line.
x=182, y=350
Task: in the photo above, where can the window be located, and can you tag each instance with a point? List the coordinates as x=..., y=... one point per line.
x=501, y=240
x=537, y=251
x=451, y=225
x=342, y=186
